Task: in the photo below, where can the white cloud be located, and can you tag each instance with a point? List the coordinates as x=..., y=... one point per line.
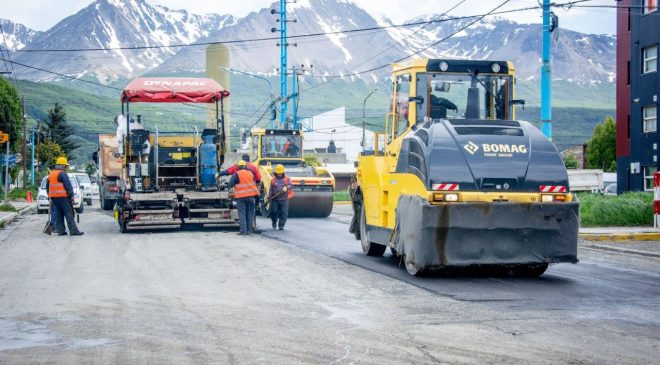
x=43, y=14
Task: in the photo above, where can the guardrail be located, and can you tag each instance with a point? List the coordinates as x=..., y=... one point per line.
x=656, y=200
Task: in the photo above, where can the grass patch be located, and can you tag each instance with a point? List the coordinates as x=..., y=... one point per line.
x=341, y=196
x=7, y=208
x=625, y=210
x=22, y=194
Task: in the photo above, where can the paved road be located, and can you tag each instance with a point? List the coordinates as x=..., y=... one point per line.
x=303, y=295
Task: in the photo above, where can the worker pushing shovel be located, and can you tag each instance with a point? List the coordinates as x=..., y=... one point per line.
x=279, y=194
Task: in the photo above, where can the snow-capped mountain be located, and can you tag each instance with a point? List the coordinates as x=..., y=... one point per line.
x=15, y=36
x=111, y=24
x=578, y=57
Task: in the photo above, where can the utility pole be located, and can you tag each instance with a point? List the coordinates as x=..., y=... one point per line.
x=284, y=92
x=363, y=143
x=546, y=73
x=32, y=165
x=24, y=156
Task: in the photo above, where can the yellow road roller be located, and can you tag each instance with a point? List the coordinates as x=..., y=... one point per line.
x=456, y=181
x=313, y=185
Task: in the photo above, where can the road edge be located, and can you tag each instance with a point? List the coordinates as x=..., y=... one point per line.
x=621, y=237
x=9, y=218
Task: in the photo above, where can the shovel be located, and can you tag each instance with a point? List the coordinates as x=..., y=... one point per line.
x=48, y=228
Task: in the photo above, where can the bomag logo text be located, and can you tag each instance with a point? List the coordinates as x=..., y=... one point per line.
x=503, y=150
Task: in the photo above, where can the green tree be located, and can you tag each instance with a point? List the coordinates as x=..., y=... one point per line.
x=11, y=119
x=60, y=130
x=601, y=148
x=49, y=151
x=90, y=168
x=570, y=162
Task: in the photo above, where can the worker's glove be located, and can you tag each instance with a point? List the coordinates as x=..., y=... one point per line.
x=284, y=189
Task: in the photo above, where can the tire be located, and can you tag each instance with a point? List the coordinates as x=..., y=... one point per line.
x=263, y=211
x=41, y=211
x=393, y=251
x=368, y=247
x=107, y=204
x=81, y=209
x=89, y=202
x=528, y=271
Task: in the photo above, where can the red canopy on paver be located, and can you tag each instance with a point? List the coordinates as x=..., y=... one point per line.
x=173, y=90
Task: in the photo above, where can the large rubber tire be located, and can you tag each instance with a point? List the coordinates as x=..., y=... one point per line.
x=262, y=206
x=107, y=204
x=368, y=247
x=81, y=209
x=89, y=202
x=528, y=271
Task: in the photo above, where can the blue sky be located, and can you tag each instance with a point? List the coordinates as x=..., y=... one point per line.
x=43, y=14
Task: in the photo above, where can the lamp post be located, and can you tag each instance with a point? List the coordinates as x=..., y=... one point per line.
x=364, y=119
x=270, y=86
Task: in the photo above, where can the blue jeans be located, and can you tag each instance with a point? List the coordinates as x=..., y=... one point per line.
x=61, y=209
x=246, y=208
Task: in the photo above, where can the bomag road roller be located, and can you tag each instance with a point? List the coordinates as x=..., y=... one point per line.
x=313, y=185
x=456, y=181
x=170, y=178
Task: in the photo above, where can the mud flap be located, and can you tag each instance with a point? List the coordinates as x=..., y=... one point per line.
x=461, y=234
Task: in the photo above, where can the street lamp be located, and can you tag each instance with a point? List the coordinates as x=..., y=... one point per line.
x=270, y=86
x=364, y=119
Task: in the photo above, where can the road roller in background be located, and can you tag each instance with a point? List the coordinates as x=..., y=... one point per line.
x=313, y=185
x=457, y=181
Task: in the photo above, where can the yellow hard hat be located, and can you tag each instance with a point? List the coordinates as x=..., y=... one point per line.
x=61, y=161
x=279, y=169
x=242, y=163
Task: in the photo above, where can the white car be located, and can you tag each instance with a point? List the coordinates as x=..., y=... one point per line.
x=86, y=186
x=42, y=196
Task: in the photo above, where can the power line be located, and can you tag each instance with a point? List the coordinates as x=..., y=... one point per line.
x=299, y=36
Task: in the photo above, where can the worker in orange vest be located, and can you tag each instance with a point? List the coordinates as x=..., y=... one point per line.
x=245, y=192
x=281, y=190
x=60, y=193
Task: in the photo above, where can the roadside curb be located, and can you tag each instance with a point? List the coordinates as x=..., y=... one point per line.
x=342, y=203
x=621, y=237
x=9, y=218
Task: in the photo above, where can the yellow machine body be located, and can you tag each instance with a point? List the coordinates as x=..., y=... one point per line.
x=313, y=185
x=431, y=223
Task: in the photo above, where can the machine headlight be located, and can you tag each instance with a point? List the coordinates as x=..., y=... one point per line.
x=547, y=198
x=451, y=197
x=495, y=67
x=42, y=197
x=444, y=66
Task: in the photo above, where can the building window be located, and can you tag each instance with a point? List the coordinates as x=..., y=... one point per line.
x=650, y=6
x=650, y=56
x=650, y=118
x=648, y=177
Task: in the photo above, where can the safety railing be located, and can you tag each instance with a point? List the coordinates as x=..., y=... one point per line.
x=656, y=200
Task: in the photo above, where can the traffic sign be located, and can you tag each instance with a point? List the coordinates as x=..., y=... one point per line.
x=12, y=160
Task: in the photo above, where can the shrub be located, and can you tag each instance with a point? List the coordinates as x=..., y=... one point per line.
x=629, y=209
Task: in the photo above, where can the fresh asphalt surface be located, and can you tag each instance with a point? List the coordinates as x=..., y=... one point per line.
x=599, y=276
x=304, y=295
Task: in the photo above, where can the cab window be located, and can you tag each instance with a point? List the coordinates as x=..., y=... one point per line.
x=401, y=104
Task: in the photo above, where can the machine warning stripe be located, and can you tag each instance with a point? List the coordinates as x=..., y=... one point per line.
x=552, y=189
x=446, y=187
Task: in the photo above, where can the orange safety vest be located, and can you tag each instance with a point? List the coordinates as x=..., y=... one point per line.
x=246, y=186
x=287, y=181
x=55, y=187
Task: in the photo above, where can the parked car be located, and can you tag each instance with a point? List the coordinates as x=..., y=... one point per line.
x=86, y=186
x=42, y=196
